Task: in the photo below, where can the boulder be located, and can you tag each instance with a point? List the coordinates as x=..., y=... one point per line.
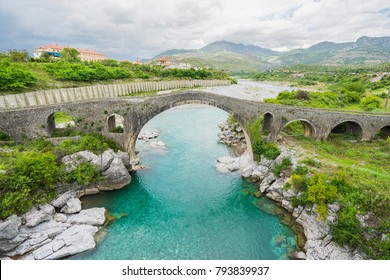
x=92, y=216
x=73, y=160
x=72, y=206
x=35, y=216
x=125, y=157
x=63, y=199
x=260, y=172
x=59, y=217
x=9, y=228
x=117, y=175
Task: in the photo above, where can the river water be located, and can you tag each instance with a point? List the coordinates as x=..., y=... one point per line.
x=181, y=207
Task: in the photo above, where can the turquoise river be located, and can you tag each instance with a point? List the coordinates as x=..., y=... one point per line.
x=181, y=207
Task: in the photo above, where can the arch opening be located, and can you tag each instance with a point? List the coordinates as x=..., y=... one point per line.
x=383, y=133
x=346, y=130
x=61, y=124
x=115, y=123
x=131, y=138
x=268, y=119
x=299, y=128
x=4, y=137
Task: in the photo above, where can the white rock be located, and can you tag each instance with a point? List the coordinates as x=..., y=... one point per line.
x=221, y=167
x=62, y=199
x=35, y=217
x=59, y=217
x=125, y=157
x=157, y=144
x=48, y=209
x=92, y=216
x=9, y=228
x=117, y=174
x=226, y=160
x=72, y=206
x=77, y=239
x=260, y=172
x=73, y=160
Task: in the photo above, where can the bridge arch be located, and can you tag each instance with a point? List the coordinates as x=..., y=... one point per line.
x=384, y=132
x=4, y=136
x=115, y=123
x=308, y=128
x=347, y=127
x=52, y=124
x=131, y=137
x=268, y=119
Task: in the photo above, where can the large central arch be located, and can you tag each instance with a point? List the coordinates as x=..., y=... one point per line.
x=131, y=137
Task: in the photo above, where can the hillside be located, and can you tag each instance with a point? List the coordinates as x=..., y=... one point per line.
x=239, y=57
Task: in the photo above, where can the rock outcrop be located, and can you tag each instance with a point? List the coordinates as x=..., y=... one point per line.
x=114, y=167
x=51, y=231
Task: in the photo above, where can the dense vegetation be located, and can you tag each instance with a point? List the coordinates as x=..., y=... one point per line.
x=18, y=73
x=357, y=177
x=32, y=171
x=351, y=88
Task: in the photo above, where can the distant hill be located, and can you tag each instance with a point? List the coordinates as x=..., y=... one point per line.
x=239, y=57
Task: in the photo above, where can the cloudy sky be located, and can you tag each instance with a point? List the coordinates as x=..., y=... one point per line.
x=130, y=29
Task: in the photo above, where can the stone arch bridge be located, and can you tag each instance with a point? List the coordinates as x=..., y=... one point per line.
x=96, y=115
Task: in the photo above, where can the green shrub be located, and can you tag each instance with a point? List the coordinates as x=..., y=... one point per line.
x=347, y=230
x=370, y=103
x=321, y=193
x=14, y=76
x=85, y=174
x=278, y=168
x=30, y=180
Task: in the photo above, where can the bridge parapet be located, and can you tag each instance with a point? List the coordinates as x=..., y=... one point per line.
x=65, y=95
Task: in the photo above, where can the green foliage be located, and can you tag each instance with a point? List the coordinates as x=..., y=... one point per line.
x=347, y=230
x=299, y=182
x=72, y=71
x=117, y=129
x=14, y=76
x=311, y=162
x=231, y=120
x=262, y=147
x=301, y=170
x=70, y=55
x=62, y=117
x=95, y=143
x=85, y=174
x=17, y=56
x=278, y=168
x=321, y=193
x=29, y=180
x=370, y=103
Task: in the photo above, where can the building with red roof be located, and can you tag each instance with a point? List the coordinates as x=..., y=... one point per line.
x=55, y=51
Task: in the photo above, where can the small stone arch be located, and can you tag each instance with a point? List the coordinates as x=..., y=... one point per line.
x=308, y=128
x=115, y=123
x=59, y=120
x=4, y=136
x=268, y=120
x=383, y=133
x=348, y=128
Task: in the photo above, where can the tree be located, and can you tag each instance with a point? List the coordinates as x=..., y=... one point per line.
x=70, y=55
x=18, y=56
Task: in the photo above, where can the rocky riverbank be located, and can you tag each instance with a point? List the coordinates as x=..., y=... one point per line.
x=61, y=228
x=319, y=244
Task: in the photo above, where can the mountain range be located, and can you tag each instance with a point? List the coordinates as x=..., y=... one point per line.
x=239, y=57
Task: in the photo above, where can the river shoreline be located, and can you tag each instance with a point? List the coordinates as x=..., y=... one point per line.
x=318, y=244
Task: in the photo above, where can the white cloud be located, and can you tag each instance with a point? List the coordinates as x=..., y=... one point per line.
x=142, y=28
